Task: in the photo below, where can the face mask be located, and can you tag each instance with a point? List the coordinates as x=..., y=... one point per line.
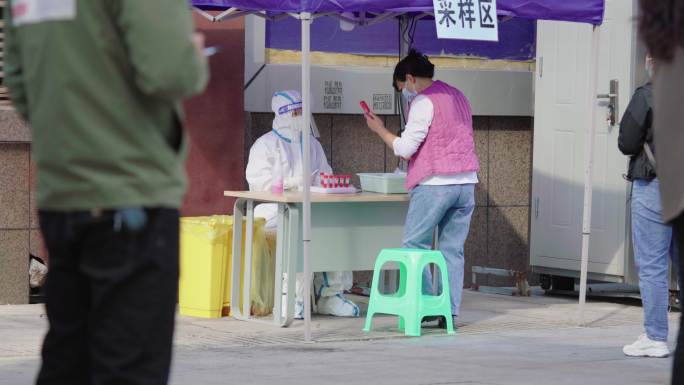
x=298, y=123
x=408, y=94
x=297, y=127
x=649, y=67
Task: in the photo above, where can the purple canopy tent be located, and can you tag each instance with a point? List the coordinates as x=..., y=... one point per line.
x=368, y=12
x=581, y=11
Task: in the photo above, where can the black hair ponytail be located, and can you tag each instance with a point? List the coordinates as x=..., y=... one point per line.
x=414, y=64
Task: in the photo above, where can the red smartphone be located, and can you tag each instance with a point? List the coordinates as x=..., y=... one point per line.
x=364, y=107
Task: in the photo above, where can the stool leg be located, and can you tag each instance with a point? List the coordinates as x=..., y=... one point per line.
x=446, y=293
x=375, y=292
x=413, y=296
x=402, y=280
x=369, y=322
x=450, y=323
x=444, y=275
x=401, y=292
x=412, y=325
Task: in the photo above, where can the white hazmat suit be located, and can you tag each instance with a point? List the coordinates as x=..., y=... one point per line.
x=284, y=142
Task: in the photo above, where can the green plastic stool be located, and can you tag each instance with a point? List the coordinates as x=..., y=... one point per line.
x=408, y=302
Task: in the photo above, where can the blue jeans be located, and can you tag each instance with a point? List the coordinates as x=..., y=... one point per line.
x=652, y=240
x=449, y=208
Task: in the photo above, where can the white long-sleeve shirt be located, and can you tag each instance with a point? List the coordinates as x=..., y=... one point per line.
x=417, y=127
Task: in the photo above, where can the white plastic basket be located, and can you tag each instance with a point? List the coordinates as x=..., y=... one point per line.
x=385, y=183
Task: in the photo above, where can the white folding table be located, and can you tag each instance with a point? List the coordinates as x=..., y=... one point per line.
x=348, y=232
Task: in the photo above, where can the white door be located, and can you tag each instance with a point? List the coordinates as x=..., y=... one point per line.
x=561, y=110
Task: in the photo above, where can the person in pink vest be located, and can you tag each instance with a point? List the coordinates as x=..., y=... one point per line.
x=442, y=172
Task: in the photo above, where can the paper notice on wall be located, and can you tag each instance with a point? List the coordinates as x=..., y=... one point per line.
x=382, y=102
x=466, y=19
x=333, y=94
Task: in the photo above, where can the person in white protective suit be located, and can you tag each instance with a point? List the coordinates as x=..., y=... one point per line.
x=284, y=142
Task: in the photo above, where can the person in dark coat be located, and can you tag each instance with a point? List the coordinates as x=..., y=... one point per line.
x=651, y=236
x=661, y=25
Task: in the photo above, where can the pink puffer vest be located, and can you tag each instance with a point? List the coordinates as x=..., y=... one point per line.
x=449, y=147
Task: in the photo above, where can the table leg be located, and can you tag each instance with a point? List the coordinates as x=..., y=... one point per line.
x=287, y=243
x=235, y=263
x=278, y=288
x=293, y=250
x=247, y=272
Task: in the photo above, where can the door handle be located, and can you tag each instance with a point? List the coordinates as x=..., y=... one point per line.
x=612, y=97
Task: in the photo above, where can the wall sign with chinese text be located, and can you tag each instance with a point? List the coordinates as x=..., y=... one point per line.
x=332, y=95
x=382, y=102
x=466, y=19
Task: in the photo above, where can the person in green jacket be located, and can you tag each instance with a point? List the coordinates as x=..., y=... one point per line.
x=100, y=82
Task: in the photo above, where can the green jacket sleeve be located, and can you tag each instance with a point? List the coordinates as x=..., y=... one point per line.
x=158, y=34
x=14, y=79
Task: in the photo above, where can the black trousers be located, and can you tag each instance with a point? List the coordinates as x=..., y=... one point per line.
x=111, y=295
x=678, y=365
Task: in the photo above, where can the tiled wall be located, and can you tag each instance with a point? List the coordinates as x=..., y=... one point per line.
x=499, y=235
x=19, y=234
x=499, y=228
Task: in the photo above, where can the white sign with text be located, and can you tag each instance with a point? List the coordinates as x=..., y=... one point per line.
x=466, y=19
x=38, y=11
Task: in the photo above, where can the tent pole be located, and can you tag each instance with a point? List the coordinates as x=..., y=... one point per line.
x=403, y=52
x=404, y=43
x=589, y=171
x=306, y=169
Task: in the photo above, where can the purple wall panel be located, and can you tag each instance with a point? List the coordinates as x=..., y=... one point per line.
x=516, y=39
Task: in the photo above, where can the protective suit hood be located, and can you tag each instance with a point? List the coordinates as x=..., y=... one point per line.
x=283, y=104
x=287, y=126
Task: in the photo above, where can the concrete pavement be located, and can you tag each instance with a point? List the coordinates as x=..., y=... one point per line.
x=501, y=340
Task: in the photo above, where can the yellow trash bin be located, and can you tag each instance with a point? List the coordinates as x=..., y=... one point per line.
x=205, y=262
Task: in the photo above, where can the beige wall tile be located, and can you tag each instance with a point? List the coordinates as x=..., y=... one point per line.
x=36, y=245
x=482, y=147
x=14, y=186
x=355, y=148
x=14, y=261
x=12, y=127
x=476, y=246
x=508, y=240
x=510, y=165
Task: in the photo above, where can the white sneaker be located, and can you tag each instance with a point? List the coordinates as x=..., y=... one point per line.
x=646, y=347
x=299, y=310
x=338, y=306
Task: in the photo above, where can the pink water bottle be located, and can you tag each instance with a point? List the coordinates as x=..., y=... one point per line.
x=277, y=181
